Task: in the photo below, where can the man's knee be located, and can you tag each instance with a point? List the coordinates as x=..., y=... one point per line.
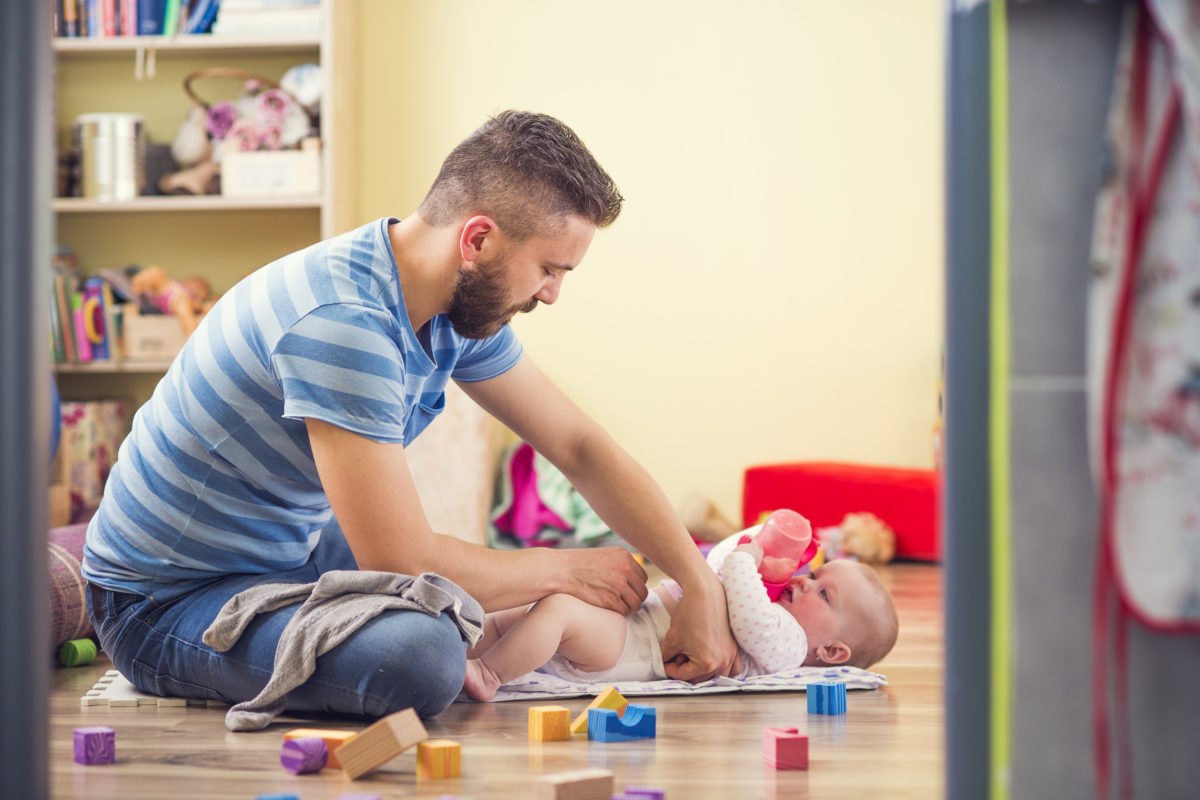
x=418, y=662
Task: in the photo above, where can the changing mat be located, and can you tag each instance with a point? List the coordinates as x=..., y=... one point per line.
x=538, y=685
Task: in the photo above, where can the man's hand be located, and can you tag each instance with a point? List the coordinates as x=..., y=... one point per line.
x=608, y=577
x=699, y=645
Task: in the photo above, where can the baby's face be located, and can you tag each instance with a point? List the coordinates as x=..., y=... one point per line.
x=826, y=601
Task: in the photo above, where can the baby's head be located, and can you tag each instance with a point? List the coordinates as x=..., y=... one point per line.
x=846, y=612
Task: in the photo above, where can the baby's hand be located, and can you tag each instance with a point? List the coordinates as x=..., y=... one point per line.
x=753, y=549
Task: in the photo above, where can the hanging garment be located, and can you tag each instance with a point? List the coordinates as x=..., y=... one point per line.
x=1144, y=354
x=538, y=507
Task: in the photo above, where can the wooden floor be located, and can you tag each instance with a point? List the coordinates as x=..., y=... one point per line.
x=888, y=744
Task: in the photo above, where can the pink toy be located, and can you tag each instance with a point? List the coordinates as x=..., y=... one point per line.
x=787, y=542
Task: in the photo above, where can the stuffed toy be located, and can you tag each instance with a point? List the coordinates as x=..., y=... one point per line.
x=863, y=536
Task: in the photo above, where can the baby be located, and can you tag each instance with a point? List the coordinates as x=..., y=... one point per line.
x=840, y=614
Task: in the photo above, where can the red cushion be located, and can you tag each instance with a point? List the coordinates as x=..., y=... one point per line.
x=825, y=492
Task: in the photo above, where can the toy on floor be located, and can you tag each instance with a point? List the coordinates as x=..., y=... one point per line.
x=549, y=723
x=580, y=784
x=609, y=698
x=641, y=793
x=94, y=745
x=333, y=740
x=785, y=748
x=826, y=698
x=863, y=536
x=303, y=755
x=76, y=652
x=439, y=758
x=606, y=725
x=381, y=742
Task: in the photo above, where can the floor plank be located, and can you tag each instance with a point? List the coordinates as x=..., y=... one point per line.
x=889, y=743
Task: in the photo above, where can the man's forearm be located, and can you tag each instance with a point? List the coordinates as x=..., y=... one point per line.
x=626, y=497
x=498, y=579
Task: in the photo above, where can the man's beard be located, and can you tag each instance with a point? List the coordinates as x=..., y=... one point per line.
x=479, y=307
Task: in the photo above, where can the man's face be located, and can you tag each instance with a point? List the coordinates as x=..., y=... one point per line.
x=491, y=292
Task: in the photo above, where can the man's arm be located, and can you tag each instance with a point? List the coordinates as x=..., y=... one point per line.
x=373, y=496
x=699, y=644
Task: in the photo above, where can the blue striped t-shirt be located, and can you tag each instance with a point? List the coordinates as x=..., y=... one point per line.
x=217, y=475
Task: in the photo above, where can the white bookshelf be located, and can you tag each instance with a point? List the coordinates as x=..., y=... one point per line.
x=141, y=74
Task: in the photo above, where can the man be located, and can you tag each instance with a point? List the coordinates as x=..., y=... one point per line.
x=273, y=449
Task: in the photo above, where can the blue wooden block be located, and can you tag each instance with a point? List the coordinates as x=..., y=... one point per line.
x=605, y=725
x=826, y=698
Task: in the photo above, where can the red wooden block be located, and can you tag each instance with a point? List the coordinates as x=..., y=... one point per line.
x=785, y=748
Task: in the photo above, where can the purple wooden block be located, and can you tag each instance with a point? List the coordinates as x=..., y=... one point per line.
x=307, y=754
x=645, y=793
x=95, y=744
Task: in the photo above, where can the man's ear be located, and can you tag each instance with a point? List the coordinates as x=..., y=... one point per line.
x=834, y=653
x=474, y=234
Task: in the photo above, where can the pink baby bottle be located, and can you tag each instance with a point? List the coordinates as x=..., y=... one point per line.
x=787, y=542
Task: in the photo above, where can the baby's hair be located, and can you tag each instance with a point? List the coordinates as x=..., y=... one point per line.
x=876, y=636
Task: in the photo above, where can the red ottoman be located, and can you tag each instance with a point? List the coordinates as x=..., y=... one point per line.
x=825, y=492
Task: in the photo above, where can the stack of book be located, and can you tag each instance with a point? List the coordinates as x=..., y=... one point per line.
x=104, y=18
x=85, y=315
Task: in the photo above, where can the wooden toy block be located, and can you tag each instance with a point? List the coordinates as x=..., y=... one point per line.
x=580, y=784
x=333, y=740
x=609, y=698
x=95, y=744
x=114, y=691
x=439, y=758
x=785, y=748
x=605, y=725
x=549, y=723
x=825, y=697
x=642, y=793
x=381, y=742
x=303, y=755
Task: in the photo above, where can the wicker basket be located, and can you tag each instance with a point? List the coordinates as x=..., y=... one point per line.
x=240, y=74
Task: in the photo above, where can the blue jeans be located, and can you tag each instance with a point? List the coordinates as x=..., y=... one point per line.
x=400, y=659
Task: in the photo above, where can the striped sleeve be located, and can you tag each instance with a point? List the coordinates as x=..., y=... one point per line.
x=341, y=364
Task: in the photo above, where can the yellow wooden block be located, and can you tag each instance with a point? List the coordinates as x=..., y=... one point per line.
x=609, y=698
x=549, y=723
x=333, y=740
x=439, y=758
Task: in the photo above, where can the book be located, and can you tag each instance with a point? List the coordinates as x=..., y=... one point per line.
x=202, y=16
x=128, y=17
x=150, y=17
x=69, y=18
x=171, y=17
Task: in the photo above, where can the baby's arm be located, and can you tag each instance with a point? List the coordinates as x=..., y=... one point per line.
x=766, y=631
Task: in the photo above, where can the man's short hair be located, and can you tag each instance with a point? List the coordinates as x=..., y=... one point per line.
x=526, y=171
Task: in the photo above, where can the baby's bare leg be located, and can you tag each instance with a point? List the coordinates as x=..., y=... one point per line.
x=495, y=625
x=591, y=638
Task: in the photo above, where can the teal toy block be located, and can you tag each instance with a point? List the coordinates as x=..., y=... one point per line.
x=826, y=698
x=605, y=725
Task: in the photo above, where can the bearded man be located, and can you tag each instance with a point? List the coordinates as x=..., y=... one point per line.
x=272, y=453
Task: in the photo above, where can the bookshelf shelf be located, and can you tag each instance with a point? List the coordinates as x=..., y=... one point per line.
x=81, y=205
x=114, y=366
x=67, y=46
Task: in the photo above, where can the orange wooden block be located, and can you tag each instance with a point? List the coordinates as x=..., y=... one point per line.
x=609, y=698
x=333, y=740
x=381, y=742
x=439, y=758
x=549, y=723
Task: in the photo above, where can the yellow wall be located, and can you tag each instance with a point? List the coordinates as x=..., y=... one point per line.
x=772, y=290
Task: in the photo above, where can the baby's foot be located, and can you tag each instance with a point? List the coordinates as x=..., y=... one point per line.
x=481, y=682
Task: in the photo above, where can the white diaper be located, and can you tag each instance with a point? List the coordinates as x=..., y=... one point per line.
x=641, y=660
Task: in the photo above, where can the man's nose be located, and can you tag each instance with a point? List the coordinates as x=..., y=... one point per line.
x=550, y=289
